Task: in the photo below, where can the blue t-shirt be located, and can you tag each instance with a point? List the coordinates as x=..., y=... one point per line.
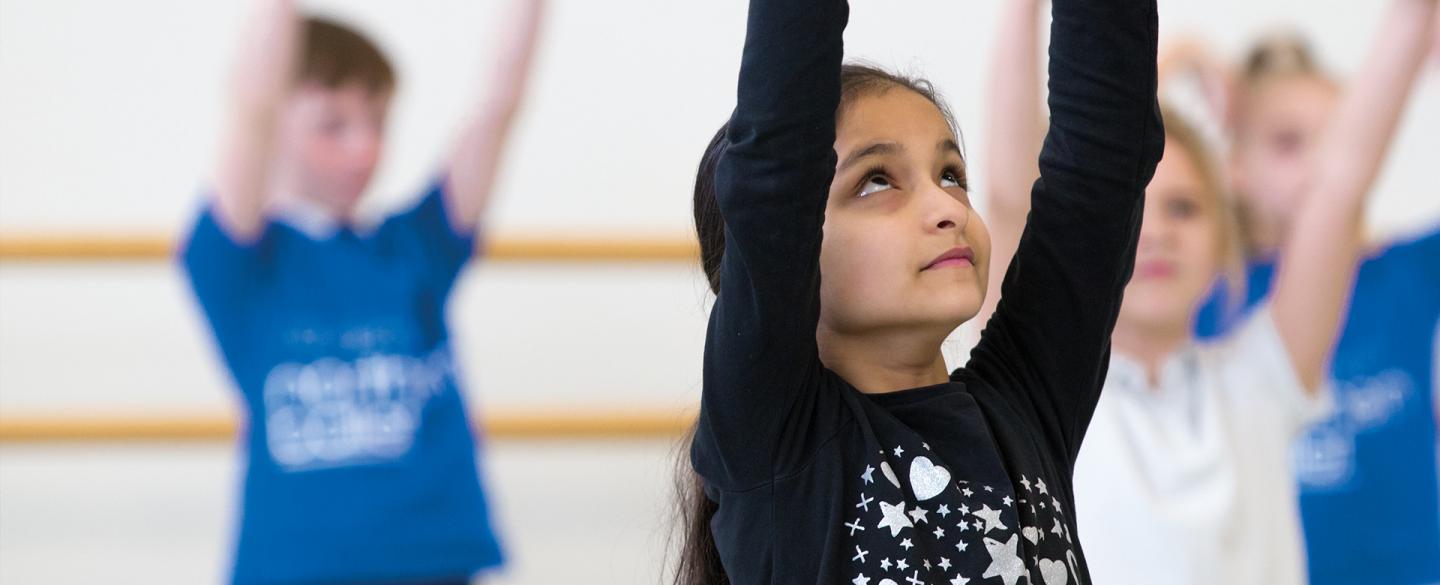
x=361, y=462
x=1367, y=476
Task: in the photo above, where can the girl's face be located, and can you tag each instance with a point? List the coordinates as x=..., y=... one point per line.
x=1281, y=125
x=902, y=246
x=1180, y=246
x=330, y=142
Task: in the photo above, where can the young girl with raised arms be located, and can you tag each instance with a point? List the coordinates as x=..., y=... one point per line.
x=833, y=446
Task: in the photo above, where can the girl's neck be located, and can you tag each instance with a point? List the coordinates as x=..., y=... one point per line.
x=1149, y=344
x=880, y=362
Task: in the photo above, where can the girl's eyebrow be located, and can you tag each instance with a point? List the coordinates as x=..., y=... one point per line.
x=876, y=149
x=888, y=148
x=949, y=145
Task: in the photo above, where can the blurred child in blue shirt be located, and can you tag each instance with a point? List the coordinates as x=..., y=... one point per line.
x=361, y=465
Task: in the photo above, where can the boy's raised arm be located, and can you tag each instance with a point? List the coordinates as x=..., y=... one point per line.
x=476, y=160
x=261, y=79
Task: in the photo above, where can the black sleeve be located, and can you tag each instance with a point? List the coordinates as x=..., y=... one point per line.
x=1048, y=343
x=772, y=181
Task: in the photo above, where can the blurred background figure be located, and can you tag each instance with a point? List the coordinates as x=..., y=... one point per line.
x=361, y=462
x=1375, y=456
x=1190, y=443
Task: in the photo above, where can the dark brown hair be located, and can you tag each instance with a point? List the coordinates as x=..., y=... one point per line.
x=698, y=561
x=334, y=55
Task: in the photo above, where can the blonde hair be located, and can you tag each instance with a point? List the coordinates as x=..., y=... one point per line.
x=1281, y=54
x=1179, y=131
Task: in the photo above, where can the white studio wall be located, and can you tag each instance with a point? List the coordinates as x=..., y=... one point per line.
x=109, y=113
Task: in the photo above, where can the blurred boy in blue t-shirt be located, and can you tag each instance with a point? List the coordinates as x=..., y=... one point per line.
x=361, y=463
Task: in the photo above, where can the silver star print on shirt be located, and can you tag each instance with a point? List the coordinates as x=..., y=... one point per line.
x=918, y=514
x=895, y=518
x=1004, y=563
x=998, y=517
x=991, y=518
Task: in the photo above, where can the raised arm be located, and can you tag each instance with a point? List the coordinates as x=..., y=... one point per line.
x=261, y=80
x=1048, y=342
x=476, y=159
x=1317, y=266
x=771, y=184
x=1017, y=126
x=1435, y=48
x=1192, y=56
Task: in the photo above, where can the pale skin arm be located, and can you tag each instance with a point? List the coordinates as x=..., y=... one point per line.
x=260, y=81
x=1435, y=49
x=1191, y=55
x=475, y=161
x=1318, y=264
x=1017, y=130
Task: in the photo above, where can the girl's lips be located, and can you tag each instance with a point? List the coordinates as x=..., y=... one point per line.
x=958, y=256
x=1154, y=269
x=951, y=262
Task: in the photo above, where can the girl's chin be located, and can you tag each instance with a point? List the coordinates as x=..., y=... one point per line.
x=953, y=315
x=1154, y=318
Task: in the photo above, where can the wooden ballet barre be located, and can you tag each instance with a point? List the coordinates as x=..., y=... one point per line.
x=637, y=424
x=502, y=248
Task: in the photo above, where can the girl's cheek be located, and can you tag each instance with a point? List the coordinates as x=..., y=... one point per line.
x=1203, y=252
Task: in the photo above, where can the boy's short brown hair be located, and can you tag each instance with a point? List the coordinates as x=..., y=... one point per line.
x=334, y=55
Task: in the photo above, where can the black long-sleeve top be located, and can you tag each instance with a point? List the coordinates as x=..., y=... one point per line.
x=963, y=482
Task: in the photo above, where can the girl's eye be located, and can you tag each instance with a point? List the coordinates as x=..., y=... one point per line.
x=1182, y=208
x=875, y=184
x=949, y=179
x=331, y=126
x=1289, y=141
